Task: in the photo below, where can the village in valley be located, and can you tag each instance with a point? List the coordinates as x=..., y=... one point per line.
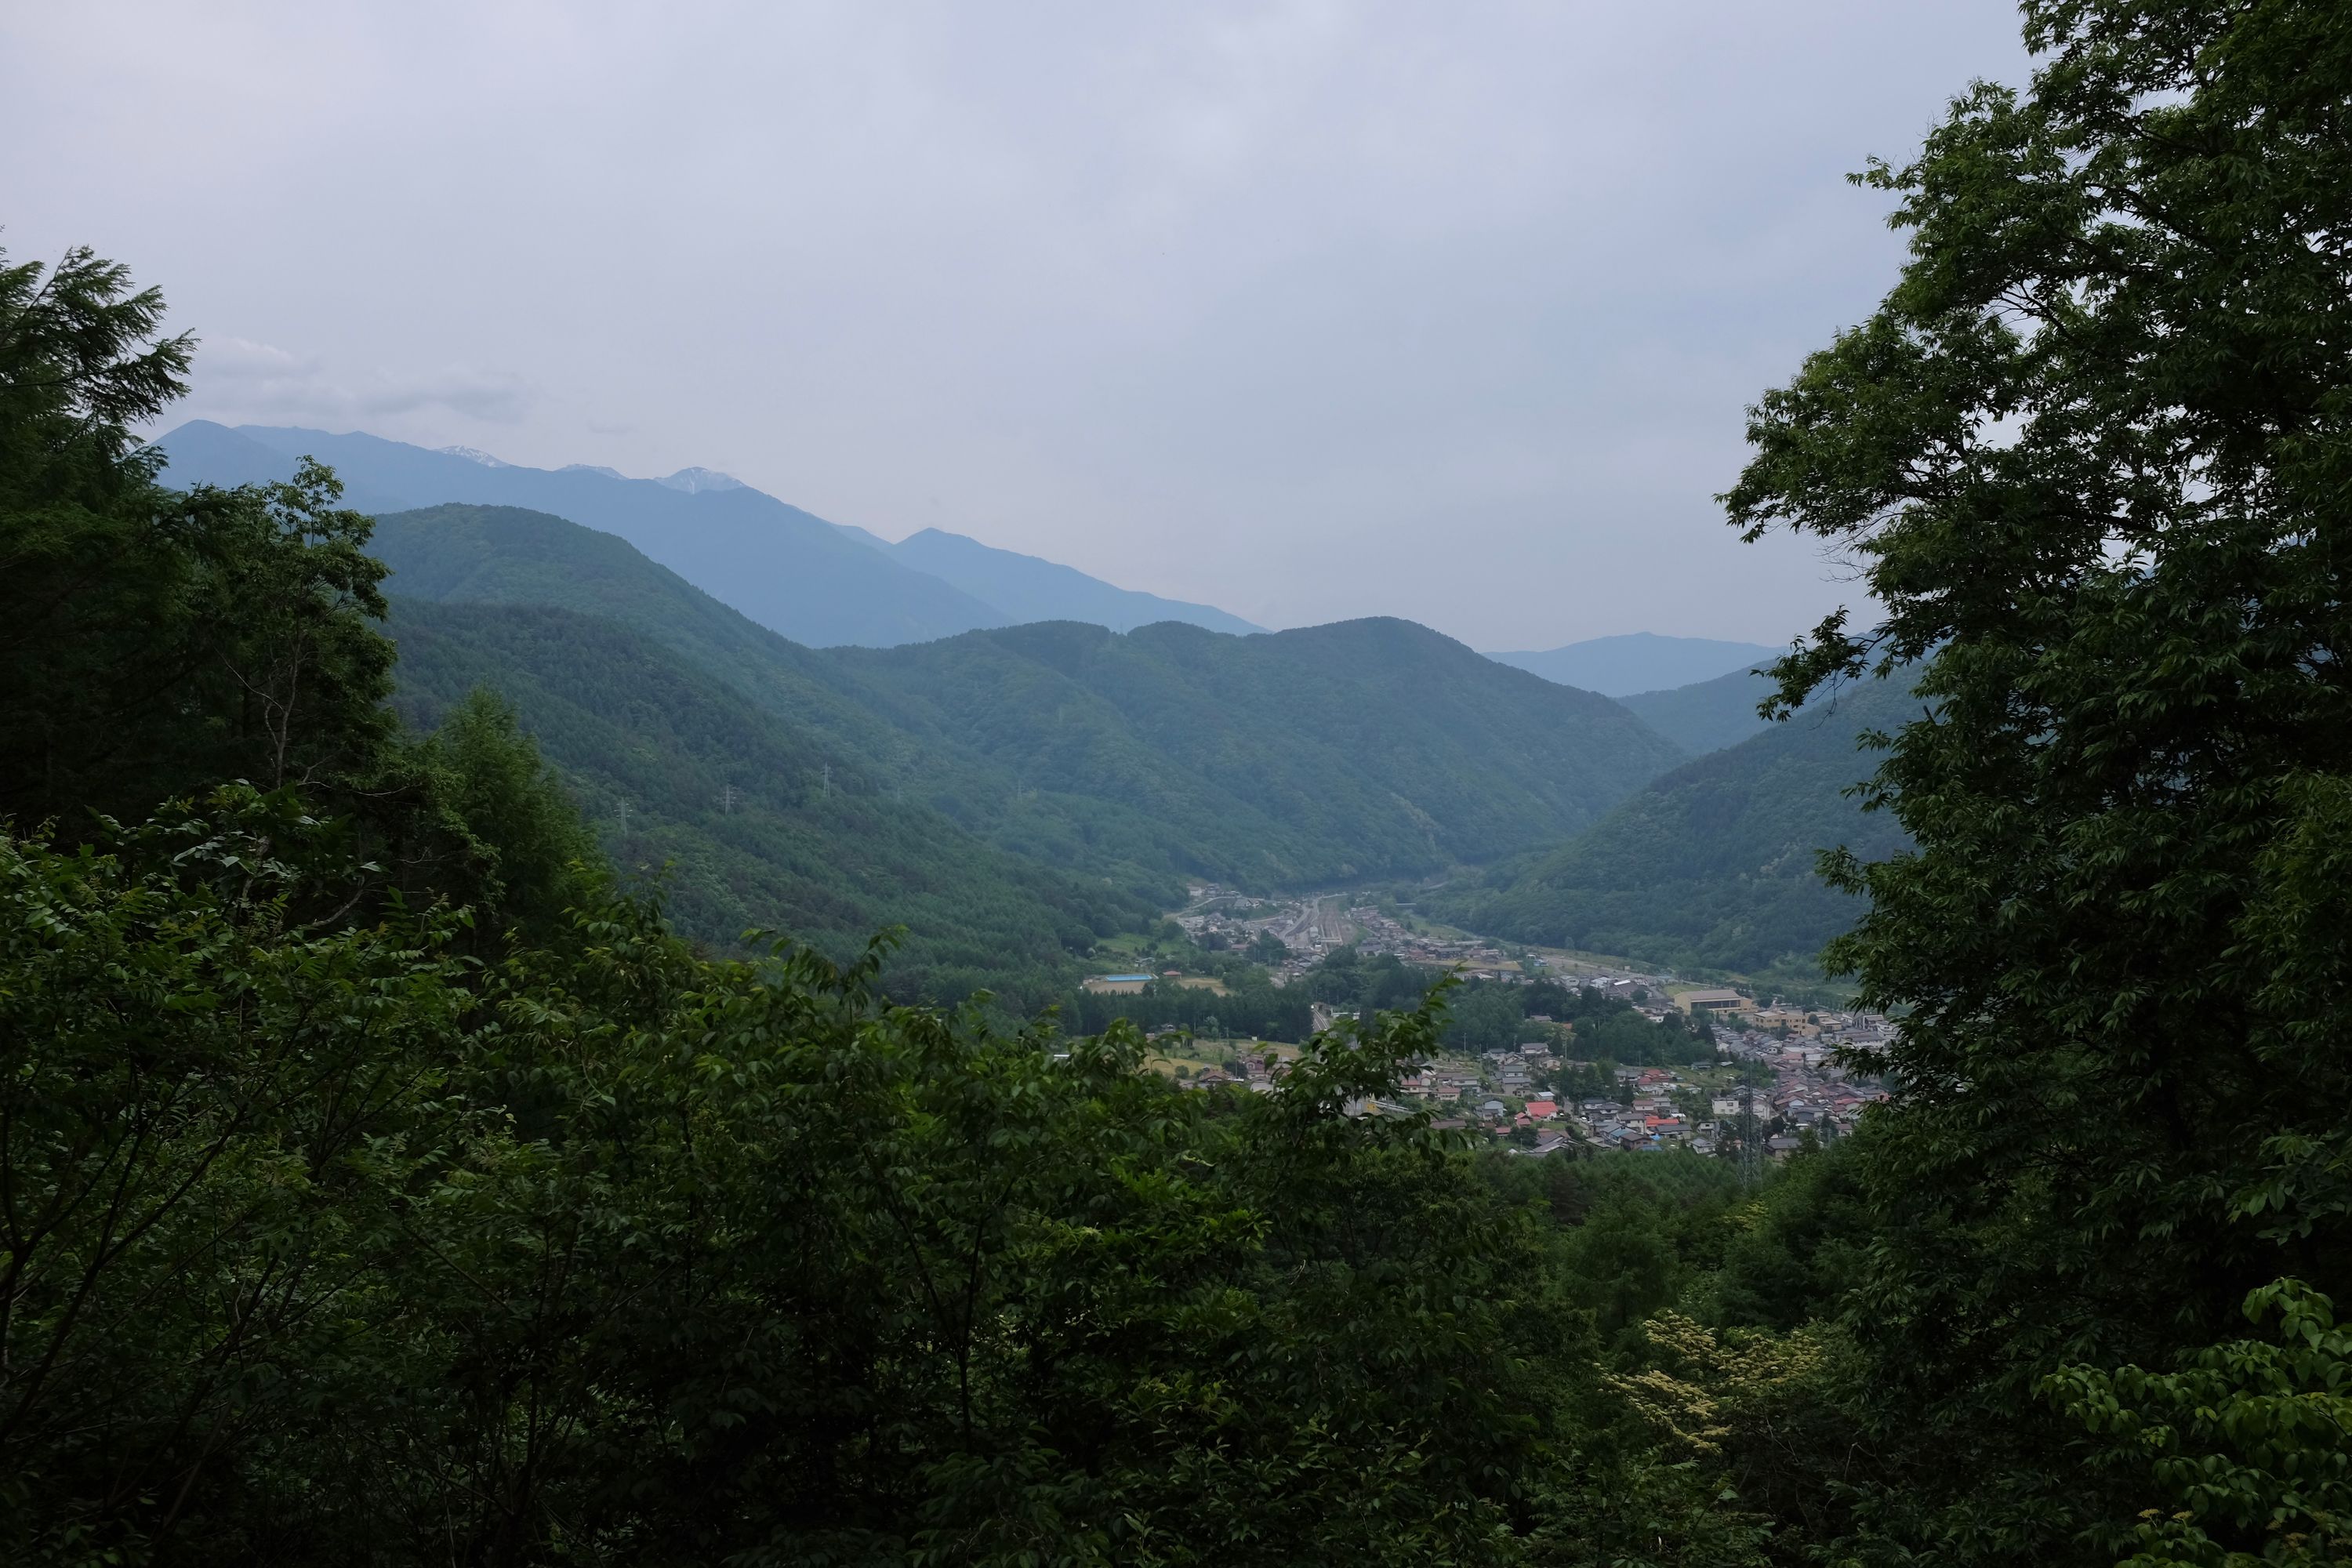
x=1784, y=1075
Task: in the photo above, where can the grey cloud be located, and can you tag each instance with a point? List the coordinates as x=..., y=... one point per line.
x=262, y=382
x=1305, y=308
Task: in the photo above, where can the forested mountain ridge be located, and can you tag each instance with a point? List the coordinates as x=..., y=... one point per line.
x=1361, y=749
x=1370, y=748
x=1711, y=864
x=750, y=821
x=510, y=555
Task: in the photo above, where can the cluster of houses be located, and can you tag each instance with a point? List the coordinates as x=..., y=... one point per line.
x=1473, y=959
x=1259, y=1068
x=1310, y=931
x=1655, y=1108
x=1502, y=1094
x=1810, y=1091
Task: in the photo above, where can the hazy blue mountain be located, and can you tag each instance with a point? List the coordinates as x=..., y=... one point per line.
x=791, y=572
x=1028, y=588
x=813, y=581
x=1638, y=662
x=201, y=452
x=694, y=481
x=1708, y=715
x=1711, y=865
x=872, y=541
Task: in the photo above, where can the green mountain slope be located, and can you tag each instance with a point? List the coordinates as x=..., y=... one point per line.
x=510, y=555
x=1366, y=748
x=761, y=821
x=1710, y=865
x=1371, y=748
x=1706, y=715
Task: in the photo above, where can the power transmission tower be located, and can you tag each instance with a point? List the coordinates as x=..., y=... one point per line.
x=827, y=781
x=727, y=799
x=624, y=818
x=1751, y=1156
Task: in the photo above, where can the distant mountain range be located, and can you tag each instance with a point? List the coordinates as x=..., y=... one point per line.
x=1639, y=662
x=1366, y=749
x=817, y=583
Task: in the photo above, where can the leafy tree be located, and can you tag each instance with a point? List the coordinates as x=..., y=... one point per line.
x=2091, y=455
x=504, y=800
x=155, y=643
x=1484, y=1016
x=202, y=1099
x=2250, y=1443
x=329, y=1246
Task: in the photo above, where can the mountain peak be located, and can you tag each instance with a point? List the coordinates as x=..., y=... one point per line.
x=475, y=455
x=694, y=481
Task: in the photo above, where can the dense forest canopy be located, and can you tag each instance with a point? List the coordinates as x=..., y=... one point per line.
x=2091, y=455
x=382, y=1181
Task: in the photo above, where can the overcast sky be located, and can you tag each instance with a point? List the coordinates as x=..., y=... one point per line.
x=1443, y=310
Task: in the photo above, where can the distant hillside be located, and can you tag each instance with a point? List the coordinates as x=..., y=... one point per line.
x=791, y=572
x=820, y=583
x=1026, y=588
x=1710, y=865
x=1371, y=748
x=508, y=555
x=1708, y=715
x=486, y=554
x=1638, y=662
x=1368, y=748
x=759, y=823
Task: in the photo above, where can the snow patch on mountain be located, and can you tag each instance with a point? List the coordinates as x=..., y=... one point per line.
x=475, y=455
x=694, y=481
